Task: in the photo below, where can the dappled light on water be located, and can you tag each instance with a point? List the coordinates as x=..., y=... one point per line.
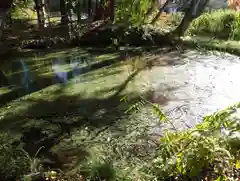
x=203, y=84
x=78, y=103
x=187, y=85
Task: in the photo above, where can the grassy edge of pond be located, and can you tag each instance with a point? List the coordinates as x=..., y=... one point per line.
x=211, y=44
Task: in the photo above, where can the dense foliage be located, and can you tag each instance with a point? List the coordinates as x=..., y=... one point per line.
x=223, y=24
x=132, y=12
x=210, y=149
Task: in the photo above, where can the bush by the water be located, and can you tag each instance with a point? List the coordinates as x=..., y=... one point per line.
x=208, y=151
x=224, y=24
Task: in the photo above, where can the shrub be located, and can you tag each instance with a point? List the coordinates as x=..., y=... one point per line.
x=23, y=12
x=210, y=149
x=132, y=12
x=14, y=161
x=223, y=24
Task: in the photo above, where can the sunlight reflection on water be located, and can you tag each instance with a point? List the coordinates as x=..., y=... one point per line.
x=205, y=84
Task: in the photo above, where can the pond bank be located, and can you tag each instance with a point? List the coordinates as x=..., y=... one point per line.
x=212, y=44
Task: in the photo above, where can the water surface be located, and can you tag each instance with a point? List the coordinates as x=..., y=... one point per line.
x=187, y=85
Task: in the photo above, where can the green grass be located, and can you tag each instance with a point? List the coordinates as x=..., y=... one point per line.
x=217, y=31
x=223, y=24
x=210, y=44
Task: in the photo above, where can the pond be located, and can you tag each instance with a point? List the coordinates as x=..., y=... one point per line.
x=192, y=84
x=20, y=71
x=25, y=75
x=77, y=92
x=203, y=84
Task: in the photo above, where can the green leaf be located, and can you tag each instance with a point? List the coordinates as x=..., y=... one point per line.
x=237, y=164
x=179, y=163
x=124, y=99
x=157, y=111
x=221, y=178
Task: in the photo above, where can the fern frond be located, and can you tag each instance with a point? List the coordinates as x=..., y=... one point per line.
x=124, y=99
x=136, y=106
x=157, y=111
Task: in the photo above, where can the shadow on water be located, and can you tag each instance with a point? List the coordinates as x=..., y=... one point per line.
x=46, y=123
x=23, y=77
x=52, y=123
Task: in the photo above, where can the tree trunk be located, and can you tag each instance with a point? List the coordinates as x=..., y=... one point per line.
x=39, y=14
x=112, y=9
x=40, y=6
x=3, y=17
x=100, y=10
x=44, y=8
x=195, y=10
x=9, y=19
x=3, y=79
x=96, y=14
x=3, y=46
x=180, y=30
x=63, y=10
x=160, y=11
x=69, y=11
x=78, y=9
x=89, y=8
x=5, y=6
x=155, y=3
x=47, y=12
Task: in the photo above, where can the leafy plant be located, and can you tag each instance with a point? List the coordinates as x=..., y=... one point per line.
x=14, y=161
x=221, y=23
x=210, y=149
x=200, y=151
x=143, y=102
x=23, y=10
x=132, y=12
